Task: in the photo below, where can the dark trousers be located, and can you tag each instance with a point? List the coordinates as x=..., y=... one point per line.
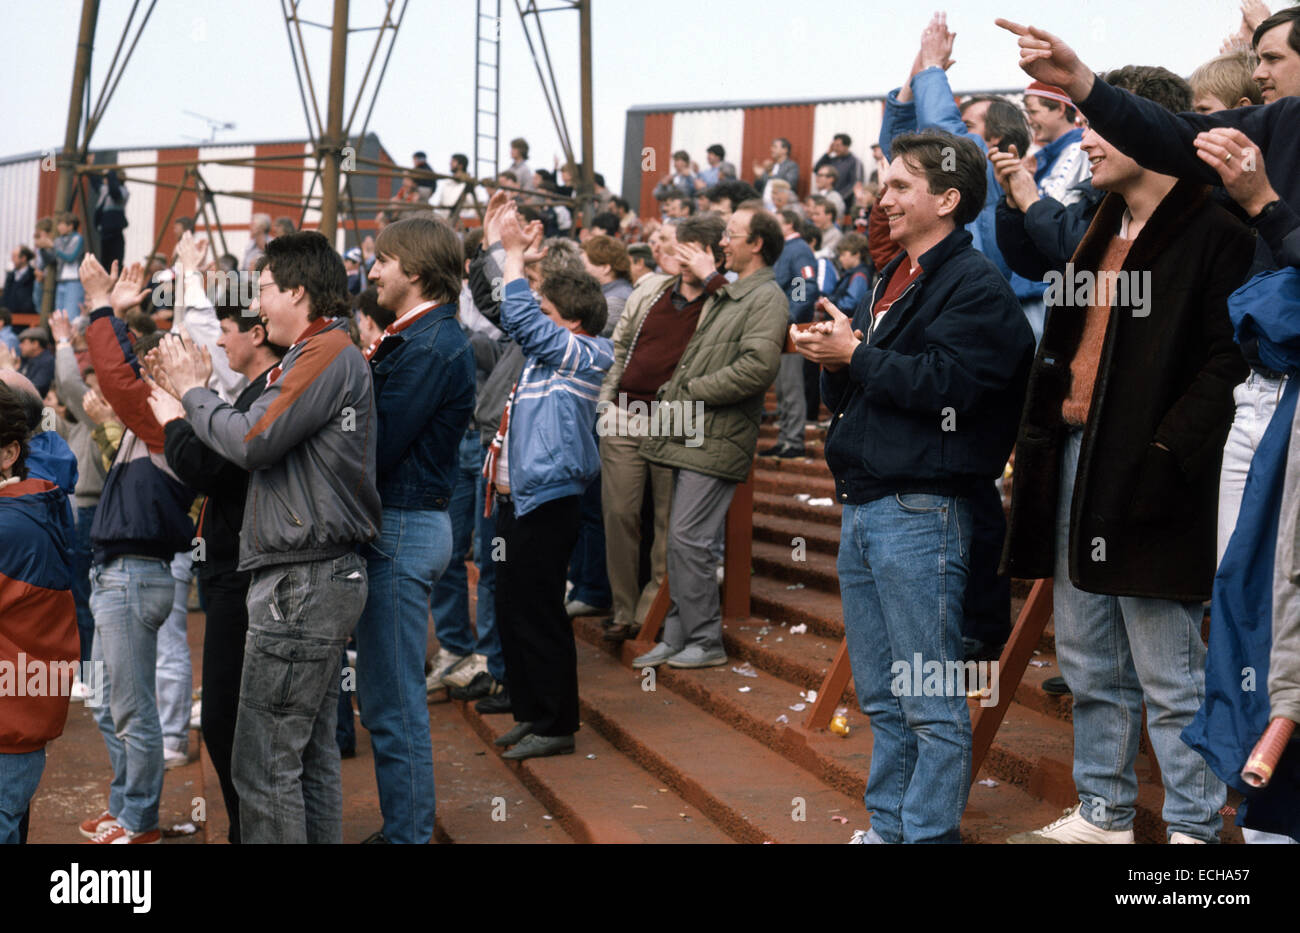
x=812, y=389
x=112, y=248
x=986, y=613
x=223, y=667
x=81, y=579
x=536, y=634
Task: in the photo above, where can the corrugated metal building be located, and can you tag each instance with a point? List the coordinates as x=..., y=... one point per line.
x=28, y=183
x=746, y=130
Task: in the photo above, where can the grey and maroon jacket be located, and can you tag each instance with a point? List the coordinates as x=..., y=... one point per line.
x=309, y=444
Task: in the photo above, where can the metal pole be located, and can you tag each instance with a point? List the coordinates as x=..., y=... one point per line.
x=587, y=183
x=68, y=156
x=333, y=141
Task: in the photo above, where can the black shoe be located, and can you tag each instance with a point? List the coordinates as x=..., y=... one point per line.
x=498, y=702
x=349, y=752
x=375, y=839
x=482, y=684
x=782, y=451
x=1056, y=686
x=621, y=631
x=540, y=746
x=513, y=737
x=976, y=650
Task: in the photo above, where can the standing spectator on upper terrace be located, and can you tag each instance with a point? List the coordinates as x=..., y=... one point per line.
x=717, y=169
x=680, y=180
x=425, y=183
x=110, y=197
x=519, y=163
x=848, y=167
x=259, y=232
x=781, y=166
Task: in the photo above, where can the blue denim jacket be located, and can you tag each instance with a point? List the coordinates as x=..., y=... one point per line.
x=424, y=393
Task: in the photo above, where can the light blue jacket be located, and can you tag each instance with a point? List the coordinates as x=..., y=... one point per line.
x=552, y=445
x=933, y=106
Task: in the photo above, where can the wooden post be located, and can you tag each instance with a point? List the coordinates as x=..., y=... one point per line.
x=333, y=141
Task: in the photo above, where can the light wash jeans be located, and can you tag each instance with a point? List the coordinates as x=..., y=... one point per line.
x=20, y=775
x=903, y=566
x=1256, y=399
x=175, y=675
x=130, y=598
x=285, y=760
x=1116, y=652
x=403, y=563
x=450, y=603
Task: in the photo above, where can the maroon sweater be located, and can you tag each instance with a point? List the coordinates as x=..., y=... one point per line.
x=667, y=328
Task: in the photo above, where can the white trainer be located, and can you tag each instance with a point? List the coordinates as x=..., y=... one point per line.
x=1176, y=839
x=1073, y=829
x=465, y=670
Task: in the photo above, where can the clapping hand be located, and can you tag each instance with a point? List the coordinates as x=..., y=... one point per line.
x=183, y=365
x=97, y=409
x=830, y=343
x=108, y=288
x=60, y=326
x=165, y=407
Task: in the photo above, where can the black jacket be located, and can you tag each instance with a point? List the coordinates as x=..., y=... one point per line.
x=225, y=484
x=1167, y=377
x=931, y=398
x=1044, y=238
x=19, y=286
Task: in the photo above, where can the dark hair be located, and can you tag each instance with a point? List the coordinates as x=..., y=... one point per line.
x=367, y=303
x=473, y=240
x=931, y=152
x=577, y=296
x=143, y=324
x=620, y=203
x=1156, y=84
x=421, y=155
x=682, y=154
x=733, y=190
x=144, y=344
x=1049, y=104
x=509, y=176
x=605, y=221
x=784, y=142
x=827, y=205
x=598, y=179
x=603, y=250
x=852, y=243
x=522, y=145
x=1289, y=15
x=717, y=150
x=428, y=248
x=26, y=253
x=811, y=234
x=845, y=138
x=187, y=223
x=764, y=226
x=528, y=213
x=686, y=199
x=308, y=260
x=643, y=252
x=461, y=159
x=69, y=218
x=791, y=217
x=1003, y=121
x=831, y=171
x=15, y=426
x=246, y=322
x=704, y=229
x=284, y=222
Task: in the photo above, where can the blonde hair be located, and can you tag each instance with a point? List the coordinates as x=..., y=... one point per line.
x=1228, y=78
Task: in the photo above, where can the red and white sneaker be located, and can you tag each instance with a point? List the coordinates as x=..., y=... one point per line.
x=97, y=824
x=117, y=834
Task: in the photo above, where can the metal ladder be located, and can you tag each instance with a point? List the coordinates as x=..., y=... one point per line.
x=487, y=89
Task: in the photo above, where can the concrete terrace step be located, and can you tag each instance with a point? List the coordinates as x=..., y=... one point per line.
x=812, y=465
x=746, y=789
x=814, y=438
x=822, y=537
x=480, y=798
x=602, y=799
x=791, y=483
x=776, y=561
x=785, y=505
x=841, y=763
x=820, y=610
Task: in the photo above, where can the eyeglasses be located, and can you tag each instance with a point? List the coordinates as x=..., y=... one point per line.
x=825, y=175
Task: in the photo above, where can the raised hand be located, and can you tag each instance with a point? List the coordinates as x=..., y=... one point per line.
x=129, y=290
x=492, y=216
x=695, y=257
x=936, y=44
x=97, y=409
x=185, y=366
x=536, y=233
x=190, y=252
x=1015, y=179
x=165, y=407
x=60, y=326
x=1047, y=58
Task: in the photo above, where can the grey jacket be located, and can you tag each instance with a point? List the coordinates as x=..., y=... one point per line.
x=309, y=444
x=90, y=465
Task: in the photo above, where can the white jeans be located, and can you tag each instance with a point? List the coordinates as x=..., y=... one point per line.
x=1256, y=400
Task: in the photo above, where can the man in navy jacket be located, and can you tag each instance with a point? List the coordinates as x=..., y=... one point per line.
x=796, y=272
x=424, y=390
x=926, y=384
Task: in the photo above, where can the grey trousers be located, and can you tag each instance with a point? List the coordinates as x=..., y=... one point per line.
x=791, y=406
x=695, y=530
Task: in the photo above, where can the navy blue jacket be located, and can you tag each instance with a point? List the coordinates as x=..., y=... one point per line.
x=1043, y=239
x=931, y=400
x=424, y=393
x=796, y=272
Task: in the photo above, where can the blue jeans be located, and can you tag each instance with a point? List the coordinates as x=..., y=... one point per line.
x=130, y=597
x=81, y=561
x=175, y=674
x=285, y=761
x=587, y=565
x=450, y=603
x=20, y=775
x=67, y=296
x=1115, y=652
x=404, y=562
x=903, y=565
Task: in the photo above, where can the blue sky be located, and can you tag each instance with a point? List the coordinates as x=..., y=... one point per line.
x=229, y=59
